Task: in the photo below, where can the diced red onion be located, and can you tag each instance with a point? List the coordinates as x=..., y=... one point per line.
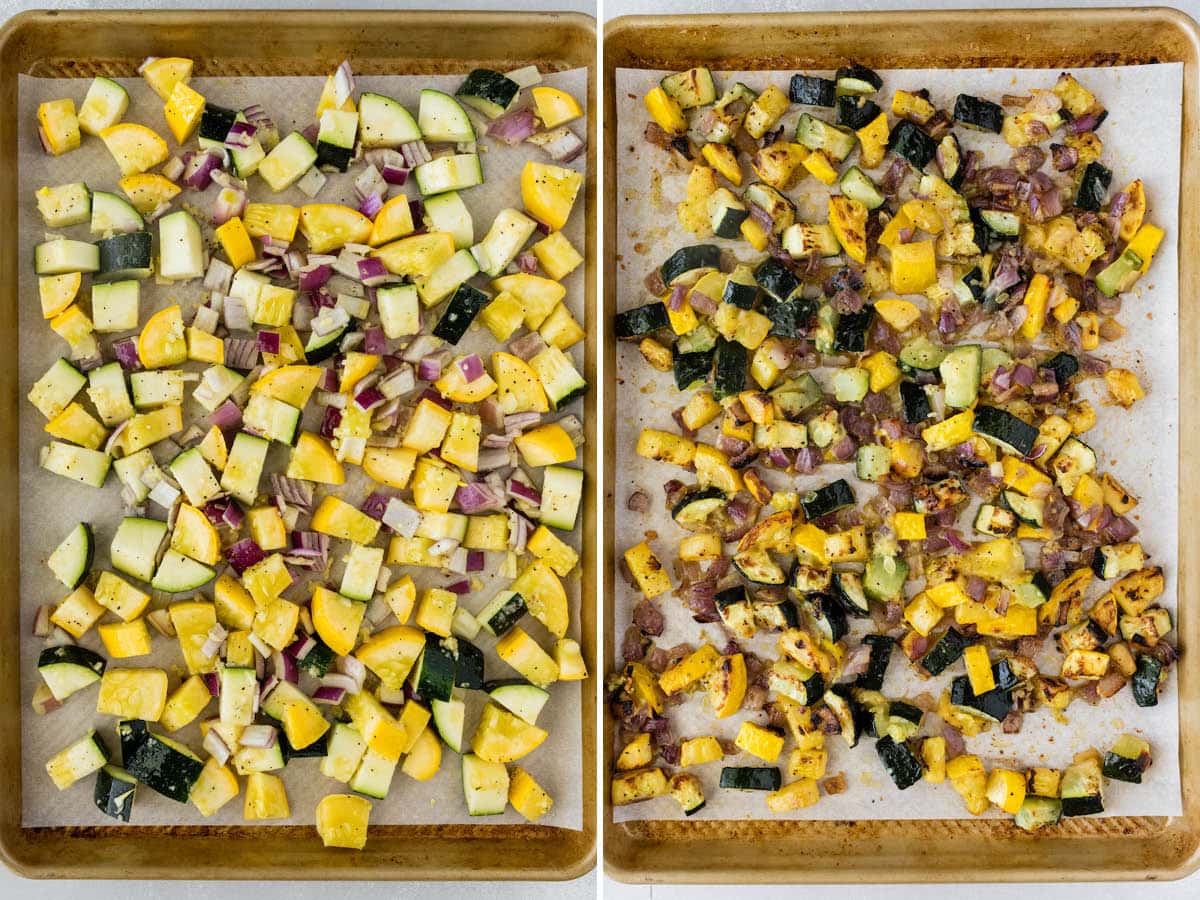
x=342, y=682
x=216, y=747
x=475, y=561
x=212, y=681
x=370, y=205
x=315, y=277
x=460, y=587
x=352, y=666
x=161, y=620
x=375, y=341
x=525, y=492
x=514, y=126
x=260, y=737
x=244, y=554
x=329, y=696
x=229, y=203
x=198, y=168
x=343, y=83
x=285, y=668
x=561, y=144
x=268, y=341
x=369, y=398
x=301, y=647
x=955, y=540
x=527, y=346
x=430, y=368
x=471, y=367
x=372, y=271
x=375, y=505
x=678, y=295
x=476, y=497
x=127, y=354
x=172, y=169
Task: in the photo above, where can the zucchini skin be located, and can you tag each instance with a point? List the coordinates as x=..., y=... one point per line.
x=164, y=769
x=469, y=673
x=909, y=141
x=1093, y=187
x=751, y=778
x=850, y=334
x=811, y=90
x=317, y=661
x=860, y=73
x=685, y=259
x=903, y=767
x=641, y=320
x=827, y=499
x=1063, y=365
x=317, y=748
x=855, y=112
x=1003, y=426
x=435, y=679
x=828, y=614
x=460, y=312
x=691, y=368
x=729, y=375
x=975, y=112
x=776, y=279
x=914, y=402
x=791, y=318
x=113, y=795
x=124, y=251
x=1122, y=768
x=881, y=654
x=948, y=650
x=215, y=122
x=995, y=704
x=1144, y=683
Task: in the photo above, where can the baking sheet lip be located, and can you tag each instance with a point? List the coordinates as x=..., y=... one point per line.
x=1187, y=860
x=16, y=839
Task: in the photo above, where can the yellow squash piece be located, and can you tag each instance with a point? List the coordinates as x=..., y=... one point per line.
x=502, y=737
x=58, y=126
x=148, y=191
x=330, y=226
x=391, y=653
x=526, y=796
x=424, y=757
x=337, y=518
x=337, y=619
x=342, y=821
x=848, y=218
x=545, y=445
x=914, y=267
x=665, y=111
x=215, y=787
x=133, y=693
x=313, y=459
x=136, y=148
x=163, y=73
x=57, y=292
x=544, y=596
x=394, y=220
x=555, y=107
x=549, y=192
x=163, y=340
x=183, y=111
x=519, y=388
x=266, y=798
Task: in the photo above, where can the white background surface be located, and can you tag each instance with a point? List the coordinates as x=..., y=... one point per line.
x=12, y=886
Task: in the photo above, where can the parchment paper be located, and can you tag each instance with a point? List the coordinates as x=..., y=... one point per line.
x=1141, y=140
x=50, y=505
